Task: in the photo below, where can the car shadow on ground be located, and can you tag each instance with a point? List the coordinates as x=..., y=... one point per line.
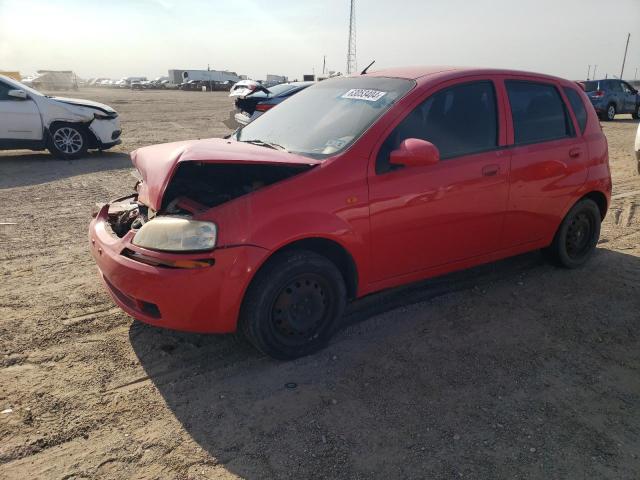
x=492, y=372
x=19, y=170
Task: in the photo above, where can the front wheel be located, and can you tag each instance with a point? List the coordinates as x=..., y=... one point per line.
x=67, y=141
x=636, y=115
x=293, y=306
x=577, y=235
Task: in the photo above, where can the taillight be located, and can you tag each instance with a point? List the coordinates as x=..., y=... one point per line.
x=263, y=107
x=598, y=93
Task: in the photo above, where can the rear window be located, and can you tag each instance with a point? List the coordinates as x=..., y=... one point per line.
x=590, y=86
x=276, y=91
x=577, y=106
x=539, y=114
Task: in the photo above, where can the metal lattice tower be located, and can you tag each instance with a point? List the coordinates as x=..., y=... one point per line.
x=352, y=64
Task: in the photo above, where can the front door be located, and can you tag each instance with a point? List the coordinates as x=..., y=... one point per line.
x=630, y=98
x=19, y=118
x=423, y=217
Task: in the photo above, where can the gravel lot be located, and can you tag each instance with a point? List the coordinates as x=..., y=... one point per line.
x=512, y=370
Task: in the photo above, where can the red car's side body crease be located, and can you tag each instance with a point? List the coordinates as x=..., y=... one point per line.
x=401, y=226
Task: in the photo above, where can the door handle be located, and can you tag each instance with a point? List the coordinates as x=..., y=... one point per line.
x=490, y=170
x=575, y=152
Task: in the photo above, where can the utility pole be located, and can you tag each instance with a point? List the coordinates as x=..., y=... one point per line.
x=594, y=71
x=624, y=59
x=588, y=71
x=324, y=64
x=352, y=64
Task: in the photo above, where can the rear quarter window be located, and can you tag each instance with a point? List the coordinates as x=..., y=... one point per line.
x=539, y=114
x=577, y=106
x=590, y=86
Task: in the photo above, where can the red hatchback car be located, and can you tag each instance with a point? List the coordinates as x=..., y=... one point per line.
x=352, y=186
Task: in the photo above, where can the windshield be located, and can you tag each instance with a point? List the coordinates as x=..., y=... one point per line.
x=327, y=117
x=30, y=90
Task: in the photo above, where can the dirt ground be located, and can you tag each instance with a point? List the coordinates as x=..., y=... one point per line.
x=512, y=370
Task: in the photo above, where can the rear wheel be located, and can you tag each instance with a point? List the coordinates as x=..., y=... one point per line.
x=611, y=112
x=67, y=141
x=293, y=306
x=577, y=236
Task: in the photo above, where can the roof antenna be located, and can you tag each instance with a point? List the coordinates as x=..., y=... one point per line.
x=364, y=72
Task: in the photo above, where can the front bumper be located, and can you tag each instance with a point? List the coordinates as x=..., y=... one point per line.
x=106, y=131
x=205, y=300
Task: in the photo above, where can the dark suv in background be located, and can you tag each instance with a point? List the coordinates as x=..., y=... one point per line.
x=610, y=97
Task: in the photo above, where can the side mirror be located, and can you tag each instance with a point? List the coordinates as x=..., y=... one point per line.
x=19, y=94
x=414, y=152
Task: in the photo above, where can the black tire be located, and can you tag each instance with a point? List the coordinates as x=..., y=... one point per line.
x=610, y=114
x=636, y=114
x=293, y=305
x=67, y=140
x=577, y=235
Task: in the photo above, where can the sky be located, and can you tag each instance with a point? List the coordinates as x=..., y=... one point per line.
x=117, y=38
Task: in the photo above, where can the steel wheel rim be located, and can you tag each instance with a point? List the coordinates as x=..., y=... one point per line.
x=301, y=309
x=68, y=140
x=579, y=235
x=611, y=112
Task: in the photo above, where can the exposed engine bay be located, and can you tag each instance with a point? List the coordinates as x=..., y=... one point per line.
x=198, y=186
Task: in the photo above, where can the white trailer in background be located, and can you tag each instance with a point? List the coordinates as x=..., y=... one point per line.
x=181, y=76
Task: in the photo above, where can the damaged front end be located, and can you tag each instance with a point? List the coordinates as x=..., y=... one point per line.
x=189, y=189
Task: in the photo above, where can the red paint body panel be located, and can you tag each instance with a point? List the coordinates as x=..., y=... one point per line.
x=398, y=227
x=197, y=300
x=157, y=163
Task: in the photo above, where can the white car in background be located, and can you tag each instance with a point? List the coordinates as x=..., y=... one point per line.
x=637, y=147
x=243, y=88
x=67, y=127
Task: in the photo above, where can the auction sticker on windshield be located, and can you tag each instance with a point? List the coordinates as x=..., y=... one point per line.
x=364, y=94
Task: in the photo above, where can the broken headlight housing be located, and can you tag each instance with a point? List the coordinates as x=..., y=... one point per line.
x=176, y=234
x=103, y=116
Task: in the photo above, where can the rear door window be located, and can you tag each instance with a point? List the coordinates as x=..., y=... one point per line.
x=615, y=86
x=577, y=106
x=538, y=112
x=459, y=120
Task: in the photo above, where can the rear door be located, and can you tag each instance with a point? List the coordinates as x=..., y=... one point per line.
x=616, y=95
x=548, y=159
x=19, y=118
x=423, y=217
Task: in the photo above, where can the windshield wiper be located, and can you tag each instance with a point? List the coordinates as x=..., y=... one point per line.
x=262, y=143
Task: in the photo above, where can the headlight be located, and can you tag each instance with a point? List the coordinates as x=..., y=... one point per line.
x=102, y=116
x=176, y=234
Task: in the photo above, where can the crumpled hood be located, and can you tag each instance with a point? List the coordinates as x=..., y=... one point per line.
x=158, y=163
x=86, y=103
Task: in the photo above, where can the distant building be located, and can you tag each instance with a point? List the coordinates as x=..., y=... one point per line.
x=11, y=74
x=180, y=76
x=275, y=79
x=53, y=80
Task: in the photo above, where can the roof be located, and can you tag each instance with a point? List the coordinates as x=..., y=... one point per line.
x=416, y=72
